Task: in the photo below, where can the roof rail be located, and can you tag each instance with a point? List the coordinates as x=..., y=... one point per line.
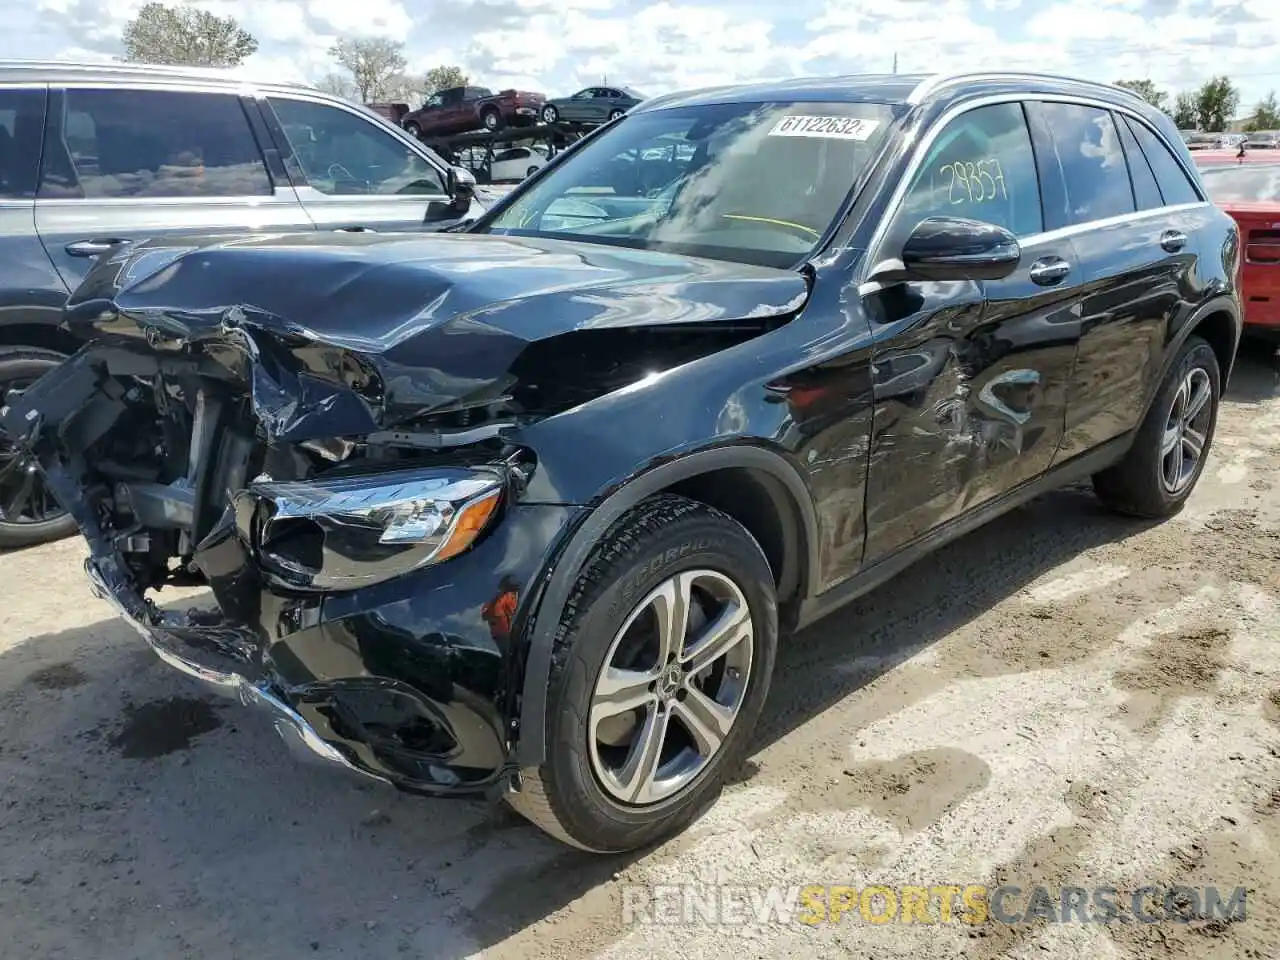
x=176, y=71
x=939, y=81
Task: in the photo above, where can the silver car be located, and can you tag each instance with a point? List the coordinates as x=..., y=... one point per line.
x=591, y=105
x=94, y=155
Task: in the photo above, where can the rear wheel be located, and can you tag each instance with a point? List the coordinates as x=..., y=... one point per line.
x=414, y=130
x=615, y=114
x=531, y=171
x=662, y=666
x=1168, y=454
x=28, y=512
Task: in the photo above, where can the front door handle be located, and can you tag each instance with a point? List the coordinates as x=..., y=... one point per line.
x=1173, y=240
x=1049, y=270
x=93, y=248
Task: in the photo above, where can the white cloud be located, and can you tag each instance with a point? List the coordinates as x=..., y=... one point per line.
x=560, y=45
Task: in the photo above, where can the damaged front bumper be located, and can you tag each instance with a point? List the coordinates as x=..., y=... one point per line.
x=169, y=644
x=410, y=678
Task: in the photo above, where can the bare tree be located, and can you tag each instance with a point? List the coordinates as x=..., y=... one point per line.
x=187, y=36
x=374, y=64
x=338, y=84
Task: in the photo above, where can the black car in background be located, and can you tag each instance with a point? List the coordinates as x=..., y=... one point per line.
x=133, y=152
x=527, y=508
x=591, y=105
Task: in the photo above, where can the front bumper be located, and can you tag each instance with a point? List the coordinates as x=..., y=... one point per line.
x=413, y=680
x=299, y=736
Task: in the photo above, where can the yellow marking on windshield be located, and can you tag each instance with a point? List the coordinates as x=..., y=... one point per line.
x=780, y=223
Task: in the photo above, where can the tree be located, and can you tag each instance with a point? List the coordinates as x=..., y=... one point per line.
x=1216, y=104
x=443, y=78
x=338, y=84
x=1184, y=111
x=375, y=64
x=1147, y=90
x=1266, y=115
x=187, y=36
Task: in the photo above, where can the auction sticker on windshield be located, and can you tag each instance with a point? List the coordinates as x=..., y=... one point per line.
x=834, y=128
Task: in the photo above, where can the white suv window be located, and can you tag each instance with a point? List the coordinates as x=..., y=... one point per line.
x=343, y=154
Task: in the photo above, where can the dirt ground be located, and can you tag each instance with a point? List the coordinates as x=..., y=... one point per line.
x=1062, y=698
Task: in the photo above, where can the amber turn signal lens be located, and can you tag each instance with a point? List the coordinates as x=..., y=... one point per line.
x=471, y=521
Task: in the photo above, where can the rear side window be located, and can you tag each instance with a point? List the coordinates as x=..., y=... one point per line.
x=981, y=167
x=21, y=130
x=1145, y=190
x=1095, y=176
x=131, y=144
x=1175, y=185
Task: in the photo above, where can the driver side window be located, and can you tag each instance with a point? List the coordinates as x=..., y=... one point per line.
x=345, y=155
x=980, y=167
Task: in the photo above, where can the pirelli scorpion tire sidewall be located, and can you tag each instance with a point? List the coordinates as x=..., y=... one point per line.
x=662, y=537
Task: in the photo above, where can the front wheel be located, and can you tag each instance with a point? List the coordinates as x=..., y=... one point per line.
x=29, y=514
x=491, y=119
x=550, y=114
x=662, y=665
x=1157, y=475
x=414, y=130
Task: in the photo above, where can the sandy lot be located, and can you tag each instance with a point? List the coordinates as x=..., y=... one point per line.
x=1063, y=698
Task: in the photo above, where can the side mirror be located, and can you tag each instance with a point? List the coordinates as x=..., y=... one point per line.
x=953, y=248
x=461, y=185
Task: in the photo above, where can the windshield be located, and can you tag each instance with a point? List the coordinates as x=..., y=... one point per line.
x=1242, y=182
x=750, y=182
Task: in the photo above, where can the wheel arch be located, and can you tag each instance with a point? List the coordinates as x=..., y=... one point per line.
x=1218, y=322
x=756, y=486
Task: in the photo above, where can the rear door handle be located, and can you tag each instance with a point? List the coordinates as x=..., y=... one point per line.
x=1173, y=240
x=1049, y=270
x=93, y=248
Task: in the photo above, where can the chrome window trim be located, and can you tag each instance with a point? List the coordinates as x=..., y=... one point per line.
x=921, y=148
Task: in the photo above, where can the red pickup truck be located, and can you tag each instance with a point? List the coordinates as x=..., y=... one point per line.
x=469, y=108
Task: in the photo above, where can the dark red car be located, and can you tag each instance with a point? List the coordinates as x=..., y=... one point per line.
x=469, y=108
x=1247, y=186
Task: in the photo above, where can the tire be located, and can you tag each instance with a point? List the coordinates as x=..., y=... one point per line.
x=1144, y=483
x=19, y=367
x=550, y=114
x=491, y=119
x=664, y=541
x=531, y=171
x=414, y=130
x=615, y=114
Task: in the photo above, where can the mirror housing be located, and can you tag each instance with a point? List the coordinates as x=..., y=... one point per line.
x=953, y=248
x=461, y=186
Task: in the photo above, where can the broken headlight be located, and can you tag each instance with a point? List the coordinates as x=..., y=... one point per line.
x=348, y=531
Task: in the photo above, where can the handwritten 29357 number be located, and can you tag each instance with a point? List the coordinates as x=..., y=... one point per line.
x=975, y=182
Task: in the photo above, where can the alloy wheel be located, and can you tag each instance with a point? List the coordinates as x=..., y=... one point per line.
x=24, y=498
x=672, y=685
x=1186, y=431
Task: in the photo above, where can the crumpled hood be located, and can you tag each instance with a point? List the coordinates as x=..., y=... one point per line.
x=384, y=327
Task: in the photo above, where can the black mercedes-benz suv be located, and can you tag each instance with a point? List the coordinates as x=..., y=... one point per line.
x=524, y=509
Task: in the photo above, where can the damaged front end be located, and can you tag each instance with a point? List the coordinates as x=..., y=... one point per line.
x=343, y=476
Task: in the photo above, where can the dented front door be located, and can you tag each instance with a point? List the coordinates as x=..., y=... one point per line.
x=970, y=378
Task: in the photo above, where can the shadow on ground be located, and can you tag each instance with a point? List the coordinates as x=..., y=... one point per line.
x=140, y=817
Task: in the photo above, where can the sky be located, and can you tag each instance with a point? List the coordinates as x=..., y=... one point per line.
x=559, y=46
